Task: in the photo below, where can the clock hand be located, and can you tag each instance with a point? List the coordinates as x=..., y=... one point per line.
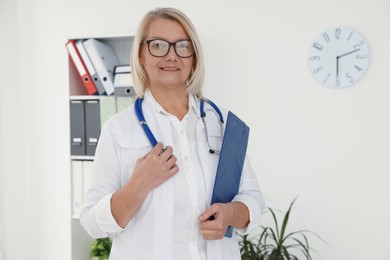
x=342, y=55
x=345, y=54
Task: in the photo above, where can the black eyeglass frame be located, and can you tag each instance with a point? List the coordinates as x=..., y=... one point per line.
x=169, y=48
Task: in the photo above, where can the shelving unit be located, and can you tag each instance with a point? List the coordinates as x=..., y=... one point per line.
x=81, y=241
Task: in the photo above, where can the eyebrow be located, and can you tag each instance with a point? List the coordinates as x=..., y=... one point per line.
x=160, y=38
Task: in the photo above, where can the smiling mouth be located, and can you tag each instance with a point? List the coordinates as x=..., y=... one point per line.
x=169, y=69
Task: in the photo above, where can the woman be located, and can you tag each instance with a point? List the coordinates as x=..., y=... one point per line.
x=155, y=201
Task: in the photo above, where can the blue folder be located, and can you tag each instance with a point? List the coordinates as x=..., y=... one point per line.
x=231, y=162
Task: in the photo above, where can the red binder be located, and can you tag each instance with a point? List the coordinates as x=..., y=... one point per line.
x=80, y=66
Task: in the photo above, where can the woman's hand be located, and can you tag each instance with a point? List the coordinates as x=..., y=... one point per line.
x=149, y=172
x=216, y=228
x=235, y=214
x=154, y=168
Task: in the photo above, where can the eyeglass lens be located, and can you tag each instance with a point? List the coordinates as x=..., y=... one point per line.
x=160, y=48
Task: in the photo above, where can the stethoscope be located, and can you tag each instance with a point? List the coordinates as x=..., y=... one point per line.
x=152, y=139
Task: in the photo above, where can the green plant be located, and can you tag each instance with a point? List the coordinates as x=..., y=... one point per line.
x=275, y=243
x=101, y=248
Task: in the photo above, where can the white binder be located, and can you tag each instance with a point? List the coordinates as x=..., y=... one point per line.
x=77, y=188
x=104, y=60
x=87, y=176
x=90, y=68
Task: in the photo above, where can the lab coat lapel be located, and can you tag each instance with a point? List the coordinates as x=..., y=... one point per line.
x=208, y=161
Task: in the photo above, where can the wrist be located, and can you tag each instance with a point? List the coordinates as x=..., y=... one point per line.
x=133, y=189
x=239, y=215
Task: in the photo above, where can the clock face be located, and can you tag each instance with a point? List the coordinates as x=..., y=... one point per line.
x=338, y=57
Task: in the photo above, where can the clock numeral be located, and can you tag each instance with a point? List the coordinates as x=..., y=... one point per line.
x=350, y=77
x=318, y=46
x=337, y=82
x=326, y=37
x=315, y=58
x=358, y=45
x=349, y=37
x=327, y=77
x=317, y=69
x=337, y=33
x=361, y=56
x=358, y=68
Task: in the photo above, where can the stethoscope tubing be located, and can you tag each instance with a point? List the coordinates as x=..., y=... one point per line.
x=151, y=137
x=142, y=121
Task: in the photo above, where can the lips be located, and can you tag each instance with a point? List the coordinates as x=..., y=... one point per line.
x=169, y=68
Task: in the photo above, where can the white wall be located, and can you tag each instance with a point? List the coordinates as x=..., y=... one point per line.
x=13, y=147
x=329, y=147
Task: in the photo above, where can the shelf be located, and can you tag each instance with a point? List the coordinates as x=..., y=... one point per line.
x=81, y=165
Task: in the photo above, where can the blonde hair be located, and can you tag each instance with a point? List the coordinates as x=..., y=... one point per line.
x=140, y=77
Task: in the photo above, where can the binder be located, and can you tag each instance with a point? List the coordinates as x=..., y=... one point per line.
x=123, y=103
x=231, y=162
x=107, y=109
x=77, y=128
x=90, y=68
x=124, y=91
x=123, y=82
x=80, y=66
x=87, y=176
x=92, y=125
x=77, y=188
x=122, y=69
x=104, y=61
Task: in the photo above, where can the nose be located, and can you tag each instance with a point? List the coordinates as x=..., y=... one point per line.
x=171, y=55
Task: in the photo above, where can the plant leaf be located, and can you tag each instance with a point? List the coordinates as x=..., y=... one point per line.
x=285, y=221
x=276, y=222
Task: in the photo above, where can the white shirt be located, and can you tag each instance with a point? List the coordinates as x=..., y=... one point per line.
x=152, y=233
x=190, y=191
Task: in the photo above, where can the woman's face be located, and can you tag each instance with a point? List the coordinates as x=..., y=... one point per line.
x=170, y=71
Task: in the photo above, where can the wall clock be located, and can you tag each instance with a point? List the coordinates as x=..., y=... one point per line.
x=338, y=57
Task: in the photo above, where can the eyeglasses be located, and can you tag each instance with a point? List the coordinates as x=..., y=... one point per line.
x=160, y=48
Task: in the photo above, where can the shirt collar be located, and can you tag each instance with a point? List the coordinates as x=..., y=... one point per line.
x=152, y=102
x=155, y=106
x=193, y=104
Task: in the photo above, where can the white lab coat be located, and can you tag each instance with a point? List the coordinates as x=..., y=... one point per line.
x=148, y=236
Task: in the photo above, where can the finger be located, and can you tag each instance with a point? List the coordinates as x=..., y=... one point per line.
x=171, y=161
x=208, y=225
x=211, y=234
x=166, y=154
x=143, y=157
x=174, y=169
x=162, y=151
x=211, y=211
x=157, y=149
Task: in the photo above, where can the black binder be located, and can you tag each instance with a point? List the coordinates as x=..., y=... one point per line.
x=77, y=128
x=92, y=125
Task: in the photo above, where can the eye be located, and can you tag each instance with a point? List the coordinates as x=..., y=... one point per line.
x=183, y=45
x=158, y=44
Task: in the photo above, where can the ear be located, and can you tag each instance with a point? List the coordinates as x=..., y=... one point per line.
x=141, y=56
x=194, y=62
